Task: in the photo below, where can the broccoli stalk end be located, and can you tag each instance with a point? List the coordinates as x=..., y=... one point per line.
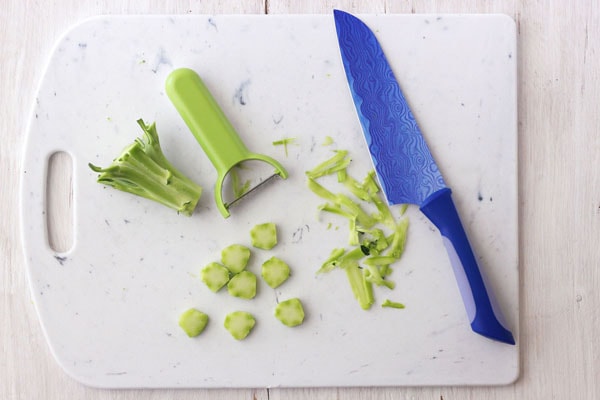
x=142, y=169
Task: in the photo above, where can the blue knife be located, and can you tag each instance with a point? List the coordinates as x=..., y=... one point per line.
x=405, y=166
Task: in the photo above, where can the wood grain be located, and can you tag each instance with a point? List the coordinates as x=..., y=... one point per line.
x=559, y=154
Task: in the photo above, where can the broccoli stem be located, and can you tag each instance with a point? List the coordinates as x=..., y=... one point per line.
x=143, y=170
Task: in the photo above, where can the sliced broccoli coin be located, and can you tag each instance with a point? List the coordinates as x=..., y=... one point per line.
x=215, y=276
x=242, y=285
x=264, y=236
x=235, y=257
x=290, y=312
x=239, y=324
x=275, y=271
x=193, y=322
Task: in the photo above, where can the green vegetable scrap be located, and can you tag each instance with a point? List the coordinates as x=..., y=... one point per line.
x=290, y=312
x=392, y=304
x=284, y=142
x=239, y=324
x=361, y=287
x=376, y=237
x=143, y=170
x=338, y=162
x=239, y=188
x=193, y=322
x=264, y=236
x=328, y=141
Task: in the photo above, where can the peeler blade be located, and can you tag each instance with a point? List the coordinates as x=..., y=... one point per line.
x=253, y=189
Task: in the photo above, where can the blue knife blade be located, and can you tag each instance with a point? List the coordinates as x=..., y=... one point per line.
x=405, y=167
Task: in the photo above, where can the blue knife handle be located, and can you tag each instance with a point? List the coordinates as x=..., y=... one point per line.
x=440, y=210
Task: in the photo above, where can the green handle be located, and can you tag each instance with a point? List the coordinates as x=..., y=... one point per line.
x=211, y=128
x=206, y=120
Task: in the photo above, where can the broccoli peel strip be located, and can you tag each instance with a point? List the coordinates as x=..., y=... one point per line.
x=369, y=262
x=142, y=169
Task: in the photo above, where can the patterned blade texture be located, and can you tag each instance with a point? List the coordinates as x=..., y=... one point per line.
x=406, y=169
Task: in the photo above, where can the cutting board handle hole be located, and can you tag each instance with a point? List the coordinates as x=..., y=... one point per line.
x=59, y=202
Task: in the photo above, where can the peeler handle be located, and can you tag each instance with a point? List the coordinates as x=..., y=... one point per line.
x=206, y=120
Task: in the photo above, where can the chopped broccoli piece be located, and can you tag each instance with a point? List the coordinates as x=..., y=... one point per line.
x=235, y=257
x=215, y=276
x=143, y=170
x=264, y=236
x=275, y=271
x=242, y=285
x=193, y=322
x=290, y=312
x=239, y=324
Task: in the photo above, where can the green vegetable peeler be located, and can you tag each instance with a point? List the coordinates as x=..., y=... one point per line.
x=212, y=130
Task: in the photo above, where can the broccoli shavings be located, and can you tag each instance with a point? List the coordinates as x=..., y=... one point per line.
x=361, y=287
x=284, y=142
x=376, y=237
x=327, y=141
x=336, y=163
x=392, y=304
x=239, y=188
x=143, y=170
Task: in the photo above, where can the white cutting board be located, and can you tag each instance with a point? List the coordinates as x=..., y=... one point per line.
x=109, y=306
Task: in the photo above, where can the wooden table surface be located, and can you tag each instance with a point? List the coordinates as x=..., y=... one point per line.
x=559, y=194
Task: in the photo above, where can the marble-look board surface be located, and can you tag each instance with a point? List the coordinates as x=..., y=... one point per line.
x=109, y=306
